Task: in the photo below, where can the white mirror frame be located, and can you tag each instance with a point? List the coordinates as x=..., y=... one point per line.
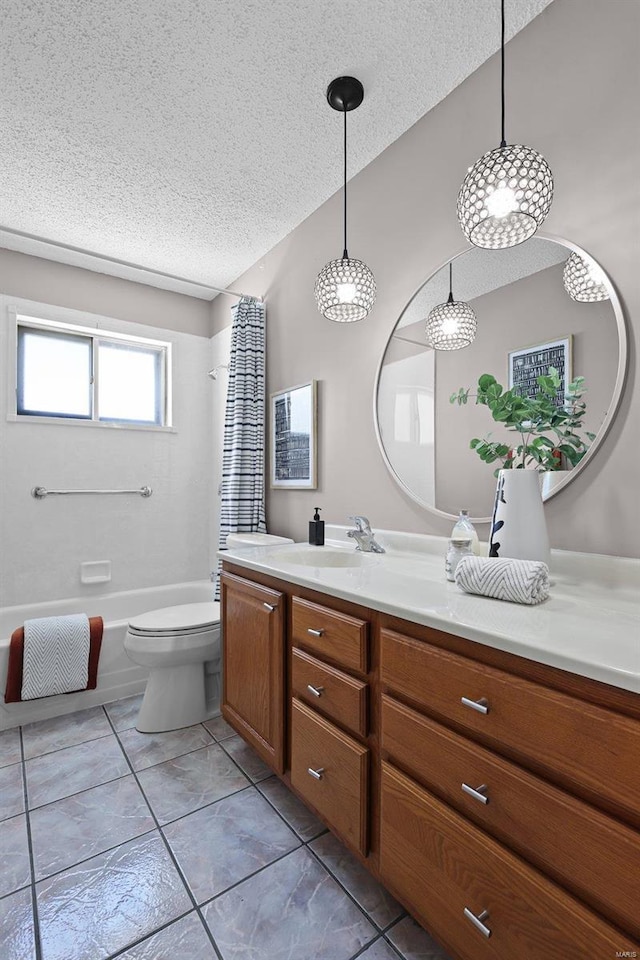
x=618, y=388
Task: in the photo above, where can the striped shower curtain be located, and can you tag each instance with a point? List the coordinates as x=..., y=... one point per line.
x=242, y=492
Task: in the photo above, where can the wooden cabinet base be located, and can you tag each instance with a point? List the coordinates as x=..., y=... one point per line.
x=495, y=797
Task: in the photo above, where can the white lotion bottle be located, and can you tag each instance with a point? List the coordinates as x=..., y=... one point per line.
x=465, y=530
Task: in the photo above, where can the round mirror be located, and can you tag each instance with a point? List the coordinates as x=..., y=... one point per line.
x=528, y=321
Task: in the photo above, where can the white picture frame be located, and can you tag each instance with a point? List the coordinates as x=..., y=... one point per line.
x=293, y=438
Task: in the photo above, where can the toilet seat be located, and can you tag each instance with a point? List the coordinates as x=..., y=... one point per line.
x=179, y=621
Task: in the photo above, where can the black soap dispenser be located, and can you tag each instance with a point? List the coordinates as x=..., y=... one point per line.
x=316, y=530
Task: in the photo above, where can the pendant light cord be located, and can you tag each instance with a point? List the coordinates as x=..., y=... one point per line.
x=450, y=300
x=503, y=142
x=345, y=255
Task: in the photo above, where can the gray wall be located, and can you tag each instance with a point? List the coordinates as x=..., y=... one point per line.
x=573, y=88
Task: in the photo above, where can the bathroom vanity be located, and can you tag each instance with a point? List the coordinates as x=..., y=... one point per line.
x=489, y=785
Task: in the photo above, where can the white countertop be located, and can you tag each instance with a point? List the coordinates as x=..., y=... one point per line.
x=588, y=626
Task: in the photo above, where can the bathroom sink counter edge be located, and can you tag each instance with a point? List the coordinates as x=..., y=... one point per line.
x=589, y=625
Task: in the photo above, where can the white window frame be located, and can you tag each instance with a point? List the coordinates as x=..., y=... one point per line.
x=34, y=319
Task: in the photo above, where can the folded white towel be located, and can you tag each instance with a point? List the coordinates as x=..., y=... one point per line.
x=56, y=655
x=521, y=581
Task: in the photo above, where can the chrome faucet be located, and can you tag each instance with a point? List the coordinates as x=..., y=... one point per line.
x=366, y=540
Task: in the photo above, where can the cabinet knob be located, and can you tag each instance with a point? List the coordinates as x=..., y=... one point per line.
x=481, y=705
x=477, y=921
x=316, y=691
x=269, y=606
x=478, y=793
x=315, y=633
x=316, y=774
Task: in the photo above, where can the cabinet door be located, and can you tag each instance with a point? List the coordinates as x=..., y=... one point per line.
x=253, y=665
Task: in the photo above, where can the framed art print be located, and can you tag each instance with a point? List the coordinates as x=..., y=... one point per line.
x=526, y=365
x=293, y=438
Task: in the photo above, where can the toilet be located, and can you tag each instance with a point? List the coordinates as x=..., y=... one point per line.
x=181, y=647
x=175, y=643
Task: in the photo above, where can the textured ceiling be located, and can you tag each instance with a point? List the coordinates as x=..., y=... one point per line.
x=190, y=136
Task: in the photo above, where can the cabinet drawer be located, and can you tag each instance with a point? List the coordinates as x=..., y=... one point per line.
x=341, y=793
x=592, y=854
x=591, y=750
x=331, y=634
x=341, y=697
x=441, y=864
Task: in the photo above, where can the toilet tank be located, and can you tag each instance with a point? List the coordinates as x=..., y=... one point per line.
x=240, y=541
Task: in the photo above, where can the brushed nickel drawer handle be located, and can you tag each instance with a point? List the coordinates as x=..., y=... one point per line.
x=481, y=705
x=477, y=921
x=316, y=691
x=315, y=633
x=269, y=606
x=316, y=774
x=478, y=793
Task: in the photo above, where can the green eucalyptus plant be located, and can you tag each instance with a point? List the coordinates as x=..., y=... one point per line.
x=548, y=432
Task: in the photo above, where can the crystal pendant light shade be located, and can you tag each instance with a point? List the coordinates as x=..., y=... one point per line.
x=345, y=290
x=507, y=193
x=451, y=326
x=505, y=197
x=584, y=281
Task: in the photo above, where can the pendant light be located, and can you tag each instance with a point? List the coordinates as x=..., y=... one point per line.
x=584, y=281
x=507, y=193
x=345, y=289
x=451, y=325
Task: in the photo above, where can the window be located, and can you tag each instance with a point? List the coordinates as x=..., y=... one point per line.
x=80, y=374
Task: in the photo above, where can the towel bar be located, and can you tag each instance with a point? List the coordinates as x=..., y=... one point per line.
x=41, y=492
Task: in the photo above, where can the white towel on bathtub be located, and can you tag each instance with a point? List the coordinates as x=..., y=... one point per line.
x=521, y=581
x=56, y=655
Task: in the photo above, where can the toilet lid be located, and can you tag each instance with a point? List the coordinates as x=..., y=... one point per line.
x=186, y=616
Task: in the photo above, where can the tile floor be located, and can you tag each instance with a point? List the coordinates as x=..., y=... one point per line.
x=174, y=846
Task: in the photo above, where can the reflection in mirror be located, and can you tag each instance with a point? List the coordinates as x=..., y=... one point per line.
x=526, y=322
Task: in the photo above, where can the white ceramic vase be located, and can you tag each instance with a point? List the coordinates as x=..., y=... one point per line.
x=518, y=526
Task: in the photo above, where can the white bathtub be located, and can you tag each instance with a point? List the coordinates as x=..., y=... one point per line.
x=118, y=676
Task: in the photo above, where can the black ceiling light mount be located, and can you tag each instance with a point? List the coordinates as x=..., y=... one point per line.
x=345, y=94
x=345, y=289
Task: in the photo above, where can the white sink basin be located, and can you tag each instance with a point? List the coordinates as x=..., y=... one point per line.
x=320, y=557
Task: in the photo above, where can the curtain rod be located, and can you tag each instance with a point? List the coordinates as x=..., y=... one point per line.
x=127, y=263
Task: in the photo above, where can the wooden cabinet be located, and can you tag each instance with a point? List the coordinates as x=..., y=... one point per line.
x=509, y=784
x=542, y=823
x=452, y=872
x=253, y=651
x=495, y=797
x=329, y=717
